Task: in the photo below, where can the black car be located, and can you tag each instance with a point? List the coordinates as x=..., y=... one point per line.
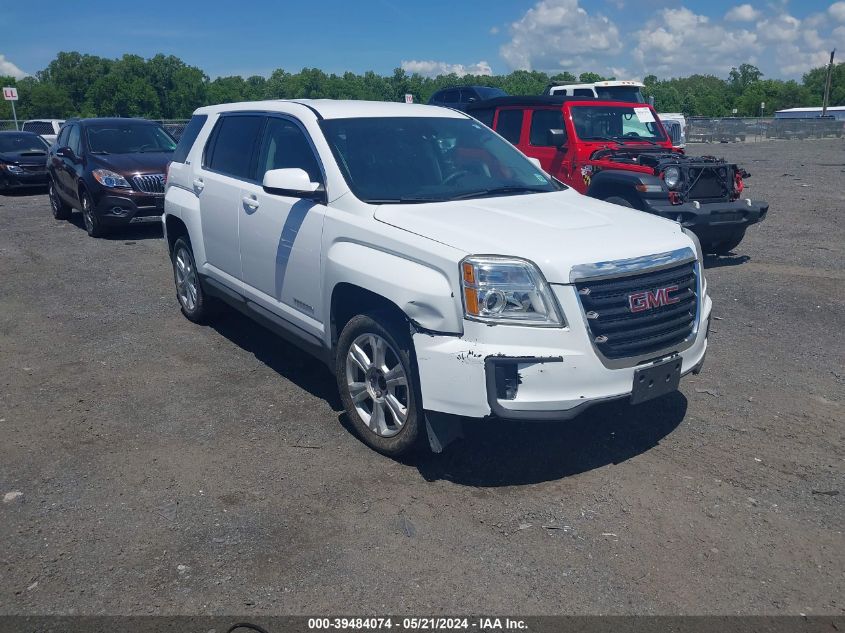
x=23, y=159
x=113, y=170
x=459, y=97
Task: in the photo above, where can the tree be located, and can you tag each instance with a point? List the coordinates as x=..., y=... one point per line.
x=590, y=78
x=743, y=77
x=40, y=99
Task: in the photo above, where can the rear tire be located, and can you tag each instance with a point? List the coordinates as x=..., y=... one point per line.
x=61, y=209
x=93, y=226
x=725, y=246
x=379, y=387
x=195, y=305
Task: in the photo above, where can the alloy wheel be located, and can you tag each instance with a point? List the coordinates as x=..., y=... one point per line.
x=87, y=214
x=377, y=384
x=186, y=279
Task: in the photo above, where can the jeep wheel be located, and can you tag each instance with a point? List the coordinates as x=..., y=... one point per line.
x=377, y=383
x=195, y=305
x=61, y=210
x=725, y=246
x=89, y=216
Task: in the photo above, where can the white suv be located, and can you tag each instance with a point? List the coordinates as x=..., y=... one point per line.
x=430, y=264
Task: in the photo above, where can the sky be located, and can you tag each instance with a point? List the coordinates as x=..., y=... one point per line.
x=627, y=39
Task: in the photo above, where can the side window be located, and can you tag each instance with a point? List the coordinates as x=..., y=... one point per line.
x=73, y=139
x=485, y=116
x=189, y=135
x=232, y=144
x=61, y=140
x=584, y=92
x=509, y=124
x=541, y=122
x=449, y=96
x=284, y=146
x=468, y=95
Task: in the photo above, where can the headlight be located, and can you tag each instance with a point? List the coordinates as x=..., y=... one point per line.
x=109, y=178
x=507, y=290
x=672, y=177
x=12, y=169
x=698, y=252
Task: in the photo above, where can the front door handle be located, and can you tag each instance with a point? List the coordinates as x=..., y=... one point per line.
x=199, y=185
x=250, y=201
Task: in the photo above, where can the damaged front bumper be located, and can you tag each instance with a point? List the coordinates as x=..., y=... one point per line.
x=517, y=372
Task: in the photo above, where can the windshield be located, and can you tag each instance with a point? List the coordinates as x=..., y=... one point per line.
x=622, y=123
x=631, y=94
x=421, y=159
x=128, y=138
x=490, y=93
x=14, y=143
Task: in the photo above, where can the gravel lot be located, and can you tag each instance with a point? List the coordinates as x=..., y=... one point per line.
x=169, y=468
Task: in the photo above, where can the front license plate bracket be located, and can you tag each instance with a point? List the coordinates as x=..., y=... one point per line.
x=657, y=380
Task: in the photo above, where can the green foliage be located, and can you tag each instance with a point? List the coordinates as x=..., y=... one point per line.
x=76, y=84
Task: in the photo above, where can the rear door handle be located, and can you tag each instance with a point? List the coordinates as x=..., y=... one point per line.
x=250, y=201
x=199, y=185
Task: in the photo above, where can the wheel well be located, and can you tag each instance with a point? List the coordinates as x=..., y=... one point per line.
x=175, y=229
x=604, y=191
x=349, y=300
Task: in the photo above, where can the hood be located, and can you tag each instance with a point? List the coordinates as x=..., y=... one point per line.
x=554, y=230
x=25, y=158
x=132, y=164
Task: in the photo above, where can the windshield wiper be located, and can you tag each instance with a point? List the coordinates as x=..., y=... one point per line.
x=100, y=151
x=599, y=138
x=498, y=190
x=634, y=139
x=404, y=200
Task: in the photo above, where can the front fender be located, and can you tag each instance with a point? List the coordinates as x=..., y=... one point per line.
x=607, y=179
x=421, y=291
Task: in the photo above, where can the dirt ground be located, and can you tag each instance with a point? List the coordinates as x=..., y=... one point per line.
x=150, y=465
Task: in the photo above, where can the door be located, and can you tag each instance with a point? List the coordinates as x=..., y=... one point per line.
x=552, y=158
x=68, y=165
x=280, y=235
x=227, y=166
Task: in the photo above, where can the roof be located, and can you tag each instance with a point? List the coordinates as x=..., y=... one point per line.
x=337, y=108
x=815, y=109
x=527, y=100
x=110, y=120
x=9, y=132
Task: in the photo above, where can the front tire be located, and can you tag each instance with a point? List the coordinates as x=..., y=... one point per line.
x=189, y=292
x=378, y=384
x=725, y=246
x=93, y=226
x=61, y=210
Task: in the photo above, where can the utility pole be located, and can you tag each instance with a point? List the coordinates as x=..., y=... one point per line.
x=827, y=83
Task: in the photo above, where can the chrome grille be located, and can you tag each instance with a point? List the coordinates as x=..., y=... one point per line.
x=151, y=183
x=673, y=128
x=618, y=332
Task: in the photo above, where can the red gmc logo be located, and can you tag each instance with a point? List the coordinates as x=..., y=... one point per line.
x=648, y=299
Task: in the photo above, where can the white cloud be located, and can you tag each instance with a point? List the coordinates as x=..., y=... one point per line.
x=837, y=11
x=742, y=13
x=432, y=68
x=8, y=69
x=494, y=30
x=560, y=35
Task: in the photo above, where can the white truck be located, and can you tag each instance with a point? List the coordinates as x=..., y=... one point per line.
x=434, y=268
x=48, y=129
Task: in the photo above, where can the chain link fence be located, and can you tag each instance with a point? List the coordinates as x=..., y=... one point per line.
x=736, y=129
x=174, y=126
x=698, y=129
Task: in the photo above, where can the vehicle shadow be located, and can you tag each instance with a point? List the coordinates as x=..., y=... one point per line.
x=22, y=193
x=724, y=261
x=492, y=452
x=285, y=359
x=152, y=231
x=498, y=453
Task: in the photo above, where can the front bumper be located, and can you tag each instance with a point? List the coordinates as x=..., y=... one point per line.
x=130, y=208
x=558, y=372
x=9, y=180
x=710, y=219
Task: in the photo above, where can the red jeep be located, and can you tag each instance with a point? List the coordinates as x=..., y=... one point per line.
x=620, y=152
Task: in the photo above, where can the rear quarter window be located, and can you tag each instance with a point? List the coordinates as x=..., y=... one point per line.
x=189, y=135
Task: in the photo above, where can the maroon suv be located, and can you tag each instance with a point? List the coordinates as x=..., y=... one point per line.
x=112, y=170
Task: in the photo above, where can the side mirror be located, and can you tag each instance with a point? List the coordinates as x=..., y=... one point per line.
x=293, y=182
x=65, y=152
x=557, y=138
